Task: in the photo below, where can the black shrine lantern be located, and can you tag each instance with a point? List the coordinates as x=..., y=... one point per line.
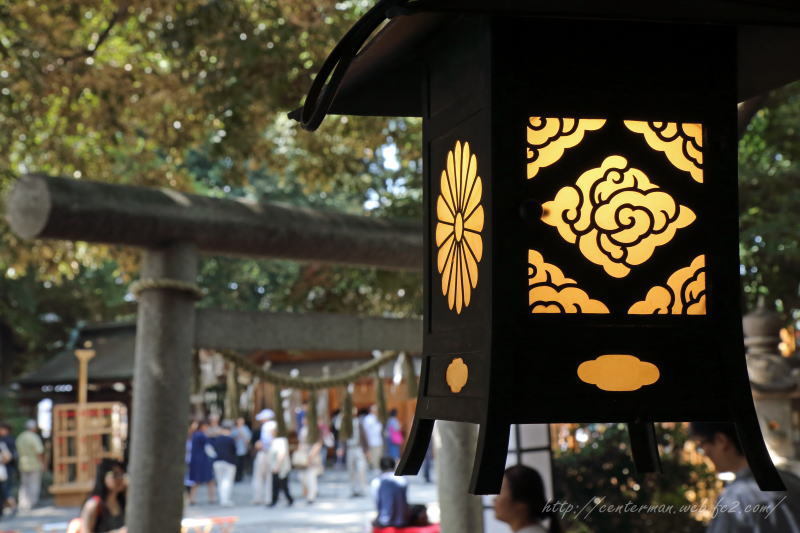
x=581, y=247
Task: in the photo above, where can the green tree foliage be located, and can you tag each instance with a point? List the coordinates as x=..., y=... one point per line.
x=42, y=312
x=601, y=472
x=769, y=175
x=191, y=95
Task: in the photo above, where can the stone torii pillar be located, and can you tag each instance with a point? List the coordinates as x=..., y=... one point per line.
x=161, y=387
x=173, y=228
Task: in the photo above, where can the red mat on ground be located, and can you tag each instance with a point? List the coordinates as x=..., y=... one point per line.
x=433, y=528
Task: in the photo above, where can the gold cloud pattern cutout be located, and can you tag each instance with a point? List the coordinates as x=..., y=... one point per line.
x=549, y=291
x=459, y=224
x=549, y=137
x=681, y=142
x=616, y=216
x=683, y=294
x=618, y=372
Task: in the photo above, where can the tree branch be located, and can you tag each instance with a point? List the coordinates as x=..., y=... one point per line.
x=89, y=52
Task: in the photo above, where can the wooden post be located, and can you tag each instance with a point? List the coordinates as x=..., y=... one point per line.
x=161, y=387
x=84, y=356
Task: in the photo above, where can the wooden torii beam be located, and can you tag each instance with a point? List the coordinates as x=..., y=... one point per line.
x=174, y=227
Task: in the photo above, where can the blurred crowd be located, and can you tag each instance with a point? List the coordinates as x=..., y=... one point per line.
x=220, y=453
x=22, y=462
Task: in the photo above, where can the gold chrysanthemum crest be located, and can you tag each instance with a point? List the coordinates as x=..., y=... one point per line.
x=459, y=215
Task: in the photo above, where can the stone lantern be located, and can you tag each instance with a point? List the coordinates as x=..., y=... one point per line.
x=774, y=382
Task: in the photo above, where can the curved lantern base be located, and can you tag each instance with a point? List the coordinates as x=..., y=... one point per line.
x=490, y=457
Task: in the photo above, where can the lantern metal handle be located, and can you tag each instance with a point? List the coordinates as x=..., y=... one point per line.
x=320, y=95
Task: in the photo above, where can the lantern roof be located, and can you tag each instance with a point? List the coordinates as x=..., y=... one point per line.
x=384, y=77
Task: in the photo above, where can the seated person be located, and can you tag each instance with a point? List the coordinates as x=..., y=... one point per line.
x=391, y=496
x=104, y=510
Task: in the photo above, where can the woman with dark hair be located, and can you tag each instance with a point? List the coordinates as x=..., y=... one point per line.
x=521, y=501
x=105, y=508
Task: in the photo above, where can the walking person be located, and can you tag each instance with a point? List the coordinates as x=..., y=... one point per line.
x=373, y=429
x=5, y=459
x=7, y=445
x=30, y=453
x=104, y=510
x=262, y=463
x=213, y=428
x=187, y=458
x=281, y=467
x=426, y=463
x=312, y=451
x=241, y=435
x=394, y=436
x=225, y=463
x=356, y=457
x=201, y=471
x=338, y=444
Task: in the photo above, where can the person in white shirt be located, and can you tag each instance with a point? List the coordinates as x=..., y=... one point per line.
x=373, y=429
x=281, y=467
x=521, y=502
x=262, y=464
x=355, y=457
x=313, y=452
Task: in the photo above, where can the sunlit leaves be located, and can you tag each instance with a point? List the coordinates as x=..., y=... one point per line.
x=769, y=175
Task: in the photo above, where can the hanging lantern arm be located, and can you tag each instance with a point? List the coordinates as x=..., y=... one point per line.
x=329, y=78
x=320, y=95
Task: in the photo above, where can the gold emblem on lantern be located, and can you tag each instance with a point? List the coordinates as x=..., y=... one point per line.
x=457, y=375
x=459, y=224
x=618, y=372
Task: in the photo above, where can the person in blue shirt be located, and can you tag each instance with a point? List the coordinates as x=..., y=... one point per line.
x=742, y=506
x=242, y=435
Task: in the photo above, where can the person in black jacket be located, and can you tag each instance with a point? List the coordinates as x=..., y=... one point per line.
x=225, y=462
